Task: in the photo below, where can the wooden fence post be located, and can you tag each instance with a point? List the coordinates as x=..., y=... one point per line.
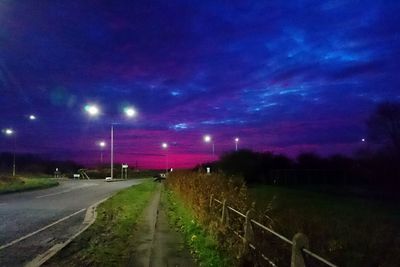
x=211, y=201
x=248, y=236
x=300, y=241
x=224, y=213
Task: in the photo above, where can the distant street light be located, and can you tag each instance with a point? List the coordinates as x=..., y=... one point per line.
x=363, y=140
x=236, y=143
x=11, y=132
x=165, y=146
x=92, y=110
x=130, y=112
x=207, y=138
x=32, y=117
x=102, y=144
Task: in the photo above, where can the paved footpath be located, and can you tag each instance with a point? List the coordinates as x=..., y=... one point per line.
x=158, y=244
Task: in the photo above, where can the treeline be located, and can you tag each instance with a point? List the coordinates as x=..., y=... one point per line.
x=33, y=164
x=373, y=169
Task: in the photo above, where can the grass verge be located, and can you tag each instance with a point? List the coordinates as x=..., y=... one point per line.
x=202, y=245
x=18, y=184
x=350, y=231
x=108, y=241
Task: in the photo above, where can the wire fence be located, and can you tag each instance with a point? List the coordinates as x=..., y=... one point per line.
x=299, y=245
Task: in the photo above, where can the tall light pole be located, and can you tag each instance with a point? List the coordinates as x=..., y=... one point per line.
x=93, y=111
x=165, y=146
x=112, y=151
x=236, y=143
x=11, y=132
x=102, y=144
x=207, y=138
x=130, y=112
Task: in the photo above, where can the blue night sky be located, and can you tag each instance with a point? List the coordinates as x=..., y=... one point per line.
x=283, y=76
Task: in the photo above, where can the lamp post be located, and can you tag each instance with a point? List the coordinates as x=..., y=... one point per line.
x=94, y=111
x=112, y=151
x=11, y=132
x=130, y=112
x=165, y=146
x=102, y=144
x=207, y=138
x=236, y=143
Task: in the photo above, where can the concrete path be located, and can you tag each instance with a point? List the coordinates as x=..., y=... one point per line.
x=158, y=244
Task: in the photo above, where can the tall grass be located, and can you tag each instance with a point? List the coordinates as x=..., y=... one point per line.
x=195, y=190
x=202, y=245
x=346, y=231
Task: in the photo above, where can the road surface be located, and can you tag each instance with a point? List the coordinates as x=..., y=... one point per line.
x=32, y=222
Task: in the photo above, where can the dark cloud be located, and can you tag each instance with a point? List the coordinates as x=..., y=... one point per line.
x=279, y=74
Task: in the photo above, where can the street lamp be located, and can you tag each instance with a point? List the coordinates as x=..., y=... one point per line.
x=165, y=146
x=130, y=112
x=11, y=132
x=32, y=117
x=207, y=138
x=93, y=111
x=102, y=144
x=236, y=143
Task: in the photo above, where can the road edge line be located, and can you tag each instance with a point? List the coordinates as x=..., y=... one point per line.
x=90, y=218
x=9, y=244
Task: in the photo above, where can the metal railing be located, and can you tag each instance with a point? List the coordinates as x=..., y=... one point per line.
x=299, y=243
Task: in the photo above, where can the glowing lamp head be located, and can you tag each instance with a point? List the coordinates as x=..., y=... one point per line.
x=102, y=144
x=32, y=117
x=8, y=131
x=237, y=139
x=207, y=138
x=92, y=110
x=363, y=140
x=130, y=112
x=164, y=145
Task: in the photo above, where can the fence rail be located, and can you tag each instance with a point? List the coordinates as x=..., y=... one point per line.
x=299, y=243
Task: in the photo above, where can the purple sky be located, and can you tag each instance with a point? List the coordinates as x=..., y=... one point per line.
x=283, y=76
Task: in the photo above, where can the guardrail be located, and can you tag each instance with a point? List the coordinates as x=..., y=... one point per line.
x=299, y=244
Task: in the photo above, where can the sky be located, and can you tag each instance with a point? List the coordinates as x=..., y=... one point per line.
x=283, y=76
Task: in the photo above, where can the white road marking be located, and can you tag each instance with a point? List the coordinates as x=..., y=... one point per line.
x=40, y=230
x=66, y=191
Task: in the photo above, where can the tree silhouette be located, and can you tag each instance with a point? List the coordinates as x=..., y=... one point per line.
x=384, y=125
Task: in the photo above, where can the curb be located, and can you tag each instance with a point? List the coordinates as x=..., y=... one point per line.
x=90, y=218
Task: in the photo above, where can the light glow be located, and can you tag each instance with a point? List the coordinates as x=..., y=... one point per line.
x=102, y=144
x=207, y=138
x=164, y=145
x=8, y=131
x=92, y=110
x=130, y=112
x=32, y=117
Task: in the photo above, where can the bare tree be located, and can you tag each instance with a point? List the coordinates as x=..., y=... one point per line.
x=384, y=125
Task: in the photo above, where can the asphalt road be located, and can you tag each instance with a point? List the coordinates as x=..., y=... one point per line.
x=32, y=222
